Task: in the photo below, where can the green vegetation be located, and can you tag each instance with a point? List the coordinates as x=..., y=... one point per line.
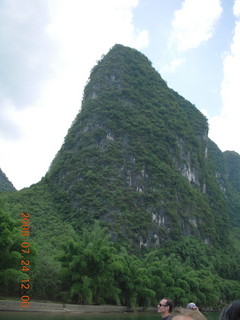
x=138, y=203
x=10, y=239
x=94, y=271
x=5, y=184
x=226, y=166
x=232, y=163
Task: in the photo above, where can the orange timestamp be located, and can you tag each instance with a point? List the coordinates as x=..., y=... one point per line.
x=25, y=261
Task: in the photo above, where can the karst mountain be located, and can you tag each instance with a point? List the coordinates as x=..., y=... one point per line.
x=138, y=202
x=138, y=159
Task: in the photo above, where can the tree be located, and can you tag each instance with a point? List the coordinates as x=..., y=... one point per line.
x=88, y=268
x=10, y=239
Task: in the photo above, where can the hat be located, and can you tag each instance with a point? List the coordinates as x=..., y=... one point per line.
x=191, y=305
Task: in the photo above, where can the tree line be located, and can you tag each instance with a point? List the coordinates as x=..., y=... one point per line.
x=93, y=270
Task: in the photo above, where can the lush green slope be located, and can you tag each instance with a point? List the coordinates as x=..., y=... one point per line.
x=135, y=156
x=232, y=163
x=226, y=166
x=138, y=160
x=48, y=232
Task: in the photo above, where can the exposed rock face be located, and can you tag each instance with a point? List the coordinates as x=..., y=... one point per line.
x=136, y=157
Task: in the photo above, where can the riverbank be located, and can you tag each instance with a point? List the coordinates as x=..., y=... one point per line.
x=8, y=305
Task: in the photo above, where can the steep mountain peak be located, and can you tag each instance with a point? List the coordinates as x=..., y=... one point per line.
x=115, y=67
x=135, y=157
x=138, y=160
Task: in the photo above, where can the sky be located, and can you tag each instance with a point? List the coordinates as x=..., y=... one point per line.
x=48, y=48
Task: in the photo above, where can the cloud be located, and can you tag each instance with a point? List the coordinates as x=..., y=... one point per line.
x=172, y=66
x=225, y=127
x=25, y=50
x=194, y=24
x=25, y=58
x=87, y=28
x=9, y=128
x=236, y=8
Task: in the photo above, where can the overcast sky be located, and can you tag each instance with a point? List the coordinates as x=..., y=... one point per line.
x=48, y=48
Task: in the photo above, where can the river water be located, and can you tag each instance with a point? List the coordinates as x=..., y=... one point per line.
x=7, y=315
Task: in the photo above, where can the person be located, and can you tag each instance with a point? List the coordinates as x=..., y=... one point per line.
x=187, y=314
x=231, y=311
x=192, y=306
x=165, y=307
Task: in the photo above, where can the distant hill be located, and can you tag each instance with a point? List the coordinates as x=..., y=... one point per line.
x=5, y=184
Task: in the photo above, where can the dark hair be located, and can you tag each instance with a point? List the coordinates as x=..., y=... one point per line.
x=169, y=303
x=231, y=311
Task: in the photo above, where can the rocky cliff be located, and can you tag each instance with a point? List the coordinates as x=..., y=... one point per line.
x=136, y=158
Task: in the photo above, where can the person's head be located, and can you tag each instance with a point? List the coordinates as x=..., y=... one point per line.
x=192, y=306
x=231, y=311
x=165, y=307
x=186, y=314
